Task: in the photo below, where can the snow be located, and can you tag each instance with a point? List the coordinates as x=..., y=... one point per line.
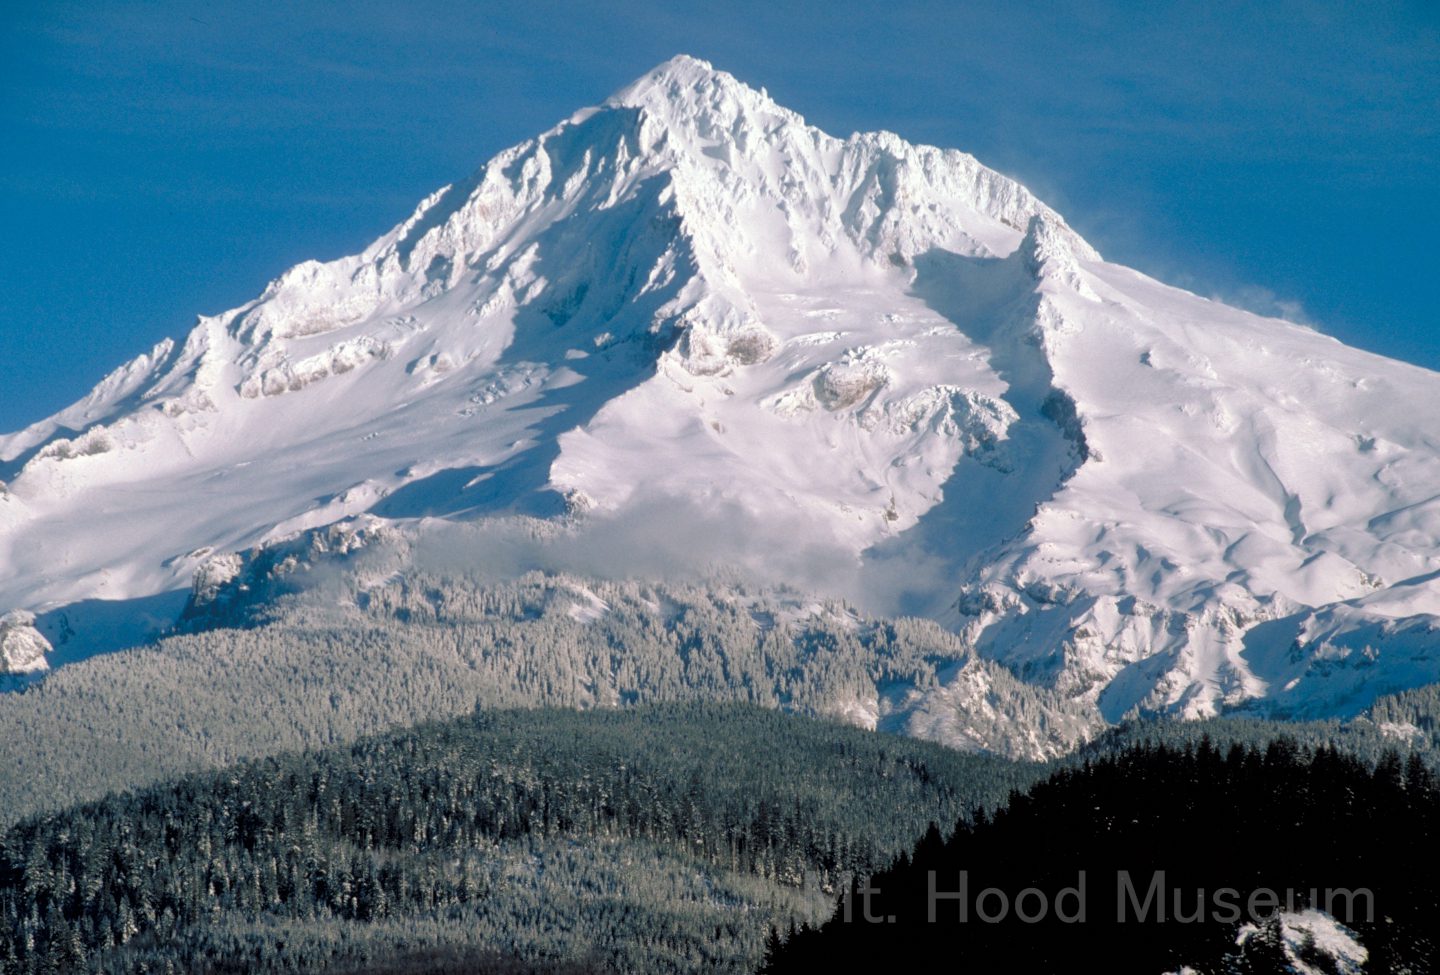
x=886, y=353
x=1340, y=950
x=22, y=646
x=1346, y=954
x=1405, y=732
x=589, y=608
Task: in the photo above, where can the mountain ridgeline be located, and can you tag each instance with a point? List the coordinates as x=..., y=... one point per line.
x=637, y=547
x=861, y=367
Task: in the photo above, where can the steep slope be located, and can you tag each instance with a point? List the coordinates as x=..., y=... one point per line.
x=1233, y=471
x=597, y=292
x=886, y=358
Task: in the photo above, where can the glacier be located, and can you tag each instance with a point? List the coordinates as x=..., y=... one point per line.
x=881, y=356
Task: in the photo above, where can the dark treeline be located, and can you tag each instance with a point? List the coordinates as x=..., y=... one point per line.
x=1404, y=722
x=1317, y=827
x=647, y=839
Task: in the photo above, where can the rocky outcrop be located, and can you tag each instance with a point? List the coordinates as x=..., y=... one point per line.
x=22, y=647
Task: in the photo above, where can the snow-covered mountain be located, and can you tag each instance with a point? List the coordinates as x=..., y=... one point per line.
x=858, y=351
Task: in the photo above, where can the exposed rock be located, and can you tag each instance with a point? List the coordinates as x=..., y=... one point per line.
x=22, y=647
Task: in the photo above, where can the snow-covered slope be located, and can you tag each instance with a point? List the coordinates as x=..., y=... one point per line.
x=884, y=354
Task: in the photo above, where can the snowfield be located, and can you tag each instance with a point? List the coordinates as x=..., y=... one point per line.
x=886, y=358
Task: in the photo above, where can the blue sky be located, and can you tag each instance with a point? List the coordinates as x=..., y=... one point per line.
x=164, y=159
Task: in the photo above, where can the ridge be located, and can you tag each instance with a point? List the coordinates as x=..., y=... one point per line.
x=871, y=366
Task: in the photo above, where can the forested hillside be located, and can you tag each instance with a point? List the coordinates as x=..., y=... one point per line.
x=337, y=663
x=601, y=832
x=651, y=839
x=674, y=837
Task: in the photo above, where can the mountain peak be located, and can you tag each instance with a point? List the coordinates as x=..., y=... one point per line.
x=686, y=86
x=680, y=74
x=684, y=68
x=856, y=346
